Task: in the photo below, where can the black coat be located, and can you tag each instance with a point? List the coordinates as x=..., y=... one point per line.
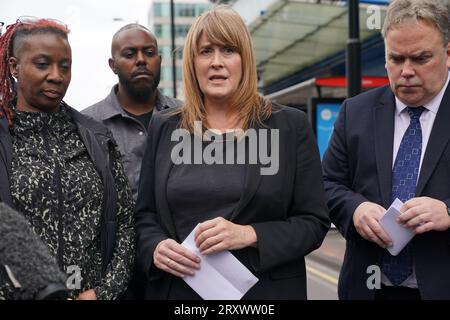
x=287, y=210
x=358, y=167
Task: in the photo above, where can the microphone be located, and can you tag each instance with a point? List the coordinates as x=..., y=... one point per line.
x=26, y=262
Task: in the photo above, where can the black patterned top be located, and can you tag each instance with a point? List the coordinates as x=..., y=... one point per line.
x=55, y=184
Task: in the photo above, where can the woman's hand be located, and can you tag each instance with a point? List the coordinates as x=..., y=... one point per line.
x=219, y=234
x=173, y=258
x=87, y=295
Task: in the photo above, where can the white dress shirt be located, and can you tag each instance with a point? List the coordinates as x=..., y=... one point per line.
x=401, y=123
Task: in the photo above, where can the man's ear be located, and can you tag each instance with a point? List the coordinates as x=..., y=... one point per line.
x=112, y=65
x=14, y=67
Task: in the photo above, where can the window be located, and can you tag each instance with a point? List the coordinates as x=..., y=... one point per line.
x=168, y=92
x=179, y=53
x=162, y=30
x=166, y=53
x=179, y=74
x=157, y=10
x=161, y=9
x=166, y=73
x=185, y=10
x=181, y=9
x=157, y=28
x=181, y=30
x=201, y=8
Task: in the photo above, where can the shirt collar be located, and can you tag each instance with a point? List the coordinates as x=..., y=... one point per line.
x=161, y=103
x=115, y=107
x=432, y=106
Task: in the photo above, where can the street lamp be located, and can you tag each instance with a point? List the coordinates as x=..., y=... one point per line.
x=174, y=60
x=353, y=60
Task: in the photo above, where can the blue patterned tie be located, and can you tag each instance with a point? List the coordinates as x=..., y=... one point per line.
x=404, y=181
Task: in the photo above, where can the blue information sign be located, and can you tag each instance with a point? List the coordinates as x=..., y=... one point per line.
x=326, y=115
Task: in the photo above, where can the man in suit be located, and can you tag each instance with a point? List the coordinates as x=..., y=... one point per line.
x=393, y=142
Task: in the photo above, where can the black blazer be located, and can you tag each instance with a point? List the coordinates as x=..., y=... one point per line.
x=358, y=167
x=287, y=210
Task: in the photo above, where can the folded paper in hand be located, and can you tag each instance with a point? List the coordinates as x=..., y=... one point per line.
x=399, y=234
x=221, y=275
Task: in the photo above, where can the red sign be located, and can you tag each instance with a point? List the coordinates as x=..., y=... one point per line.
x=366, y=82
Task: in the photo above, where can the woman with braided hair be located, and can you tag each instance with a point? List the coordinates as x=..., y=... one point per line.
x=60, y=169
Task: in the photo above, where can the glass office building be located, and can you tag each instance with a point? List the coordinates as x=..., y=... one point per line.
x=159, y=21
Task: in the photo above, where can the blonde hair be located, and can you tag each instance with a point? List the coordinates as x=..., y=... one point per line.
x=223, y=26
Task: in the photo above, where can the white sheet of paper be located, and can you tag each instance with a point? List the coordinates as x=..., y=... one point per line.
x=400, y=235
x=221, y=275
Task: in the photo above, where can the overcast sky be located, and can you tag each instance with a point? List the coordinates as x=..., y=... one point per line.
x=92, y=26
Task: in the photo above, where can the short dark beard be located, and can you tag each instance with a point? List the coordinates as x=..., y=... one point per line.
x=141, y=94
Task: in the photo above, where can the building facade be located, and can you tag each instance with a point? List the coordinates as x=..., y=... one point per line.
x=159, y=22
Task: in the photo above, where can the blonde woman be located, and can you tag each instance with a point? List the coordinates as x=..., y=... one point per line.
x=246, y=171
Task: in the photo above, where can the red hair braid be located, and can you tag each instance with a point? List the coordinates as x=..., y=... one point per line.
x=7, y=93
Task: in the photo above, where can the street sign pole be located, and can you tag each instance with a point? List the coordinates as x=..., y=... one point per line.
x=353, y=57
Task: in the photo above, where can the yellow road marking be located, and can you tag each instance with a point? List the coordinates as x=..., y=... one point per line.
x=322, y=275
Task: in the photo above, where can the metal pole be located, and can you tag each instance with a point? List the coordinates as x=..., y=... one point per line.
x=174, y=59
x=353, y=61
